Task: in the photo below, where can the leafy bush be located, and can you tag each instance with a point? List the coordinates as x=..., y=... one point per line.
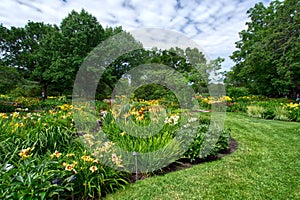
x=236, y=92
x=239, y=106
x=197, y=149
x=6, y=107
x=152, y=91
x=52, y=103
x=26, y=89
x=30, y=179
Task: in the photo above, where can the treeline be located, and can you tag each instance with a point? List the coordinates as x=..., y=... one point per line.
x=46, y=58
x=268, y=55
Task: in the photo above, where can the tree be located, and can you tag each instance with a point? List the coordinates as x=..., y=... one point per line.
x=18, y=45
x=9, y=79
x=107, y=62
x=64, y=48
x=268, y=57
x=191, y=63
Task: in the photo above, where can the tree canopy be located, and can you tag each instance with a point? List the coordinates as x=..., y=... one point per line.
x=52, y=55
x=268, y=56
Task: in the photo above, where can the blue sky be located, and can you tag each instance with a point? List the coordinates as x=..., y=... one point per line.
x=214, y=25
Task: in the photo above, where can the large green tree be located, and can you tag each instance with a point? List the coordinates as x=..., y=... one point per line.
x=268, y=56
x=64, y=48
x=19, y=44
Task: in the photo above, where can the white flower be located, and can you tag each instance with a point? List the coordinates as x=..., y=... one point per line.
x=8, y=167
x=186, y=126
x=194, y=119
x=172, y=119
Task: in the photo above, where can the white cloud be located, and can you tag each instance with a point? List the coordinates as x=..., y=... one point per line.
x=214, y=25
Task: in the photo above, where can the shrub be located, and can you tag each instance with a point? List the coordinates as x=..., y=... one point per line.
x=9, y=79
x=6, y=107
x=236, y=92
x=27, y=89
x=237, y=107
x=197, y=150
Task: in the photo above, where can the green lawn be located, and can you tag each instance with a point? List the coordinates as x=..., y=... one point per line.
x=265, y=166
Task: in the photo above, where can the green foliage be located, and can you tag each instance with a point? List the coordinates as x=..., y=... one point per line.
x=19, y=45
x=64, y=48
x=235, y=92
x=237, y=107
x=281, y=114
x=195, y=151
x=26, y=89
x=30, y=179
x=143, y=145
x=267, y=59
x=151, y=91
x=265, y=162
x=6, y=107
x=59, y=175
x=293, y=110
x=39, y=147
x=165, y=136
x=52, y=55
x=9, y=79
x=255, y=111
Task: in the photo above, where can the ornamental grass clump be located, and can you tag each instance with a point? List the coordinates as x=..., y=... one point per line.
x=256, y=111
x=281, y=114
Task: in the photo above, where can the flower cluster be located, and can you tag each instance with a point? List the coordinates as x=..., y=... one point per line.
x=117, y=160
x=73, y=165
x=291, y=106
x=173, y=119
x=248, y=98
x=211, y=100
x=55, y=154
x=293, y=109
x=208, y=100
x=65, y=107
x=225, y=99
x=25, y=153
x=36, y=120
x=139, y=111
x=106, y=152
x=3, y=116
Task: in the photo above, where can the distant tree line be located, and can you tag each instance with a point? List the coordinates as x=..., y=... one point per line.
x=46, y=58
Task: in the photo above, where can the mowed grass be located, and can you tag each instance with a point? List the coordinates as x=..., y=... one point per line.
x=266, y=165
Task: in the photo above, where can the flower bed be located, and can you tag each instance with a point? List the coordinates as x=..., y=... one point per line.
x=42, y=155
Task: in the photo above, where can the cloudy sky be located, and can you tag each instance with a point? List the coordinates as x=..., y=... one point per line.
x=214, y=25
